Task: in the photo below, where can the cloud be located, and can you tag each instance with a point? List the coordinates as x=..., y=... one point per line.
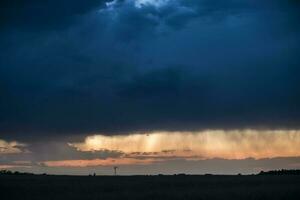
x=9, y=150
x=162, y=152
x=13, y=167
x=173, y=69
x=44, y=15
x=12, y=147
x=117, y=68
x=199, y=145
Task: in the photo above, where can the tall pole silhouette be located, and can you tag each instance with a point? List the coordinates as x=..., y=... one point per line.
x=115, y=170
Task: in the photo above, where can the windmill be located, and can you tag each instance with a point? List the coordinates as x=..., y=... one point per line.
x=115, y=170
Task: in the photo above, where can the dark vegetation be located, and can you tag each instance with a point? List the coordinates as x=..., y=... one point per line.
x=264, y=186
x=281, y=172
x=8, y=172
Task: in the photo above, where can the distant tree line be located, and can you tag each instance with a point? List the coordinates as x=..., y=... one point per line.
x=8, y=172
x=273, y=172
x=281, y=172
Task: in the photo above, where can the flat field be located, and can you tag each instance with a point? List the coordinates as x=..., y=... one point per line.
x=255, y=187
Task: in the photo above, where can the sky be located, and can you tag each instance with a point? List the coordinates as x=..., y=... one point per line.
x=150, y=86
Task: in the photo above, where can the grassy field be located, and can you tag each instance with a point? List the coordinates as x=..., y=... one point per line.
x=21, y=187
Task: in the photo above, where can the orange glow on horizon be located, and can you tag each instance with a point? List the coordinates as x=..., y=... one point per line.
x=99, y=162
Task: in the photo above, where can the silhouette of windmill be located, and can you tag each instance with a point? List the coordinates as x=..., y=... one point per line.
x=115, y=170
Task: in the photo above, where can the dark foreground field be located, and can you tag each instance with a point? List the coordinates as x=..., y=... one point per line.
x=263, y=187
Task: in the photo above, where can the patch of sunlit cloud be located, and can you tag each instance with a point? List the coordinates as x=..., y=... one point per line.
x=12, y=147
x=235, y=144
x=11, y=167
x=2, y=167
x=155, y=3
x=138, y=3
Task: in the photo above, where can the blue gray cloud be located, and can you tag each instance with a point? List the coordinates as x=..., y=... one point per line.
x=75, y=67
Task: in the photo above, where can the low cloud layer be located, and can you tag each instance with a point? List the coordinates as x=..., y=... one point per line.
x=211, y=151
x=215, y=166
x=200, y=145
x=12, y=147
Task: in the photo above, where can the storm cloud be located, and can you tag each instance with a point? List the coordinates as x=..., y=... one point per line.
x=76, y=67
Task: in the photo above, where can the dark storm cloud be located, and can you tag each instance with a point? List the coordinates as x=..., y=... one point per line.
x=80, y=67
x=47, y=14
x=55, y=151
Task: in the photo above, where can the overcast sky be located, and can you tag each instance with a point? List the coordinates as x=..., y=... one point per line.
x=149, y=72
